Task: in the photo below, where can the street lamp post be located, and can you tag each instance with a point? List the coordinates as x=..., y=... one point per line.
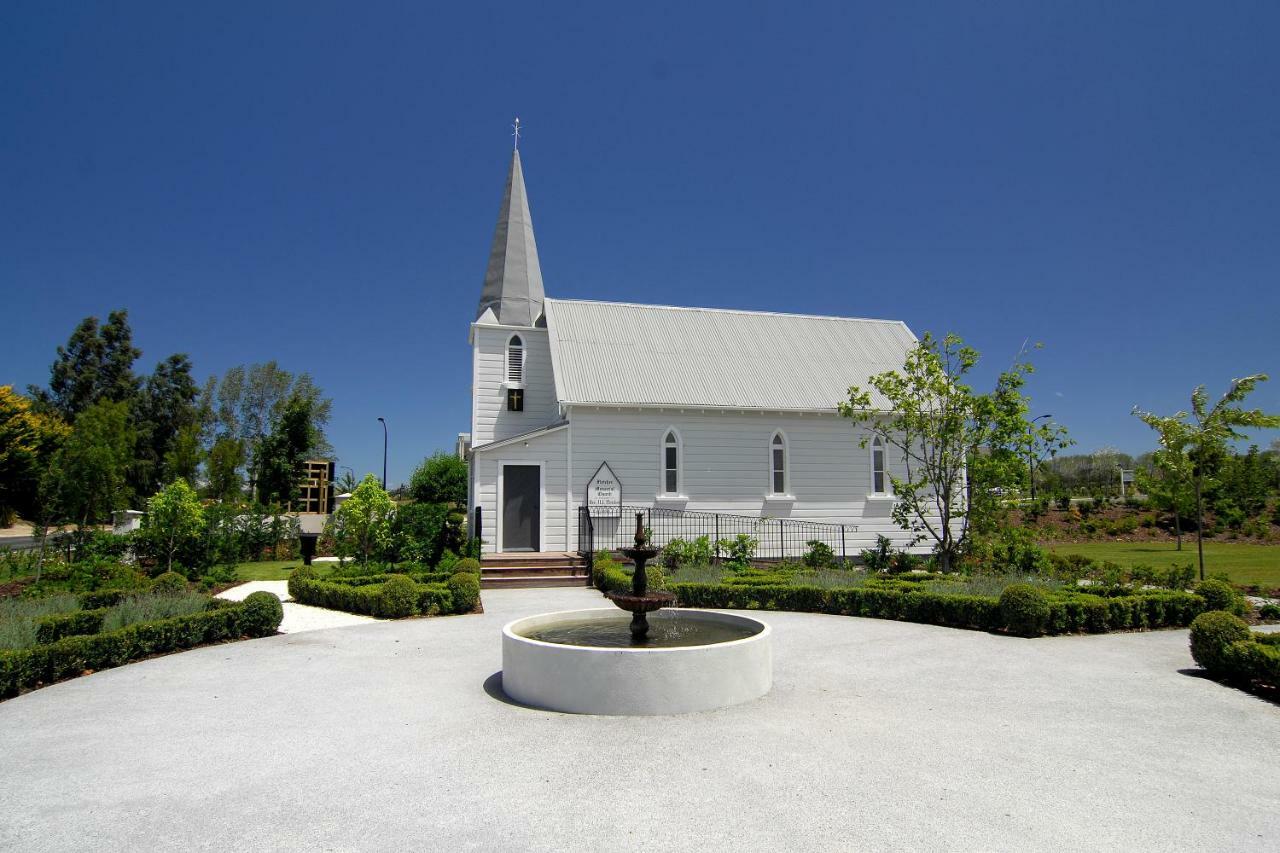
x=1031, y=457
x=384, y=452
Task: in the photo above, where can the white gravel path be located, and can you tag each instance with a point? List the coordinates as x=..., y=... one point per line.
x=297, y=617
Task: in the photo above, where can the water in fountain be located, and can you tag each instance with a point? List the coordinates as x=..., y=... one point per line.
x=666, y=630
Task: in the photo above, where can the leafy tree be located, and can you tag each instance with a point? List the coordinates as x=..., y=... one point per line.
x=183, y=457
x=280, y=455
x=941, y=429
x=28, y=439
x=88, y=471
x=174, y=519
x=1172, y=489
x=96, y=364
x=165, y=407
x=1208, y=433
x=441, y=478
x=364, y=520
x=346, y=482
x=222, y=468
x=248, y=403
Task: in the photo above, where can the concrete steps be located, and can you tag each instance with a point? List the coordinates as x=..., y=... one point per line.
x=523, y=571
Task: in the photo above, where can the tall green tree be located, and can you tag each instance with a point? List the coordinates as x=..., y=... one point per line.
x=441, y=478
x=88, y=471
x=943, y=439
x=222, y=469
x=1208, y=431
x=96, y=364
x=28, y=440
x=165, y=407
x=174, y=519
x=279, y=457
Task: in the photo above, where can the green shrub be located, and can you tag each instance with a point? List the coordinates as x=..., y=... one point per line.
x=739, y=550
x=1025, y=610
x=1256, y=660
x=1220, y=595
x=465, y=587
x=819, y=555
x=169, y=583
x=1270, y=612
x=879, y=558
x=298, y=576
x=681, y=552
x=398, y=598
x=1211, y=634
x=262, y=614
x=467, y=564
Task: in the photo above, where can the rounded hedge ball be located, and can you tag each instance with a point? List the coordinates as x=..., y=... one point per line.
x=1025, y=609
x=1220, y=595
x=1212, y=634
x=262, y=614
x=170, y=583
x=399, y=598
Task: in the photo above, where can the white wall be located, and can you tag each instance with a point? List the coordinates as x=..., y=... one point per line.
x=490, y=420
x=548, y=450
x=725, y=462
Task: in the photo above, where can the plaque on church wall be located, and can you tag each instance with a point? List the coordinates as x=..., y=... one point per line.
x=604, y=492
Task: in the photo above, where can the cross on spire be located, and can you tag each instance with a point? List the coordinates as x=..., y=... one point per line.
x=516, y=133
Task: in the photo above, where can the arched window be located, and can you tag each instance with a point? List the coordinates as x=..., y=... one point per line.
x=671, y=463
x=515, y=361
x=879, y=469
x=778, y=464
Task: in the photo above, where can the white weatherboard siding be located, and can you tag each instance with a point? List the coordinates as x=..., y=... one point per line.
x=490, y=419
x=725, y=466
x=547, y=450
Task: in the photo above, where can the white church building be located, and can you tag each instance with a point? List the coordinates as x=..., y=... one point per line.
x=710, y=421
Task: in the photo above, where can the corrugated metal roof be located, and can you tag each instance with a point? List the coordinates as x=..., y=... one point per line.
x=613, y=353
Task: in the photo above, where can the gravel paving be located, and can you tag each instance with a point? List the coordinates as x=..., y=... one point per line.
x=877, y=735
x=297, y=617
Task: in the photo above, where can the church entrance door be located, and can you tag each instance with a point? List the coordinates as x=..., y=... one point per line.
x=521, y=510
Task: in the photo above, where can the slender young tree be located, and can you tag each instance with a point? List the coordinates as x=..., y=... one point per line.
x=1209, y=431
x=948, y=440
x=174, y=518
x=1173, y=488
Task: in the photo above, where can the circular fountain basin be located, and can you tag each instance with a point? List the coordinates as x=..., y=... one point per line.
x=697, y=660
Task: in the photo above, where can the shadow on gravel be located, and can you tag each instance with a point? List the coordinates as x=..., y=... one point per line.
x=1265, y=694
x=493, y=686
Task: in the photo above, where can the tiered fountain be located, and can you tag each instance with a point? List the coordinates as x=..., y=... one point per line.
x=598, y=662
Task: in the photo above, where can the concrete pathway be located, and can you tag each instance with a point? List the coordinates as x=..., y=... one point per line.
x=877, y=735
x=297, y=617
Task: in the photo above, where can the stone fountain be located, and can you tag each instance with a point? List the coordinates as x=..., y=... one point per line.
x=640, y=601
x=596, y=662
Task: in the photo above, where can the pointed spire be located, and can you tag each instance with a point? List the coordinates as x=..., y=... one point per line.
x=513, y=281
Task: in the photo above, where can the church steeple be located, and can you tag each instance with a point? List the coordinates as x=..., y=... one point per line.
x=513, y=282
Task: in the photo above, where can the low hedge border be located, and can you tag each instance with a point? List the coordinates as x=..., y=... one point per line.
x=444, y=594
x=904, y=600
x=72, y=655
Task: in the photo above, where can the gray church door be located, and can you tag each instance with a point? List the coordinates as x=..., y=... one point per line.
x=520, y=487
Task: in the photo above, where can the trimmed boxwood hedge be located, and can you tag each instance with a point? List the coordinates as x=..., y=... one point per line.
x=437, y=593
x=1068, y=612
x=73, y=654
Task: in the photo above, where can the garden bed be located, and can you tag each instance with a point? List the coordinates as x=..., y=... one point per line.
x=62, y=636
x=392, y=594
x=982, y=603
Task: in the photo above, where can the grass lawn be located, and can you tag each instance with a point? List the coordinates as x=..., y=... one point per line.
x=1243, y=563
x=267, y=570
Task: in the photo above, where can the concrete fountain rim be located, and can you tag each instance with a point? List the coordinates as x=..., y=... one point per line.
x=766, y=630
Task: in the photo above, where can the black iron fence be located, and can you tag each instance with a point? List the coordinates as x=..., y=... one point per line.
x=775, y=538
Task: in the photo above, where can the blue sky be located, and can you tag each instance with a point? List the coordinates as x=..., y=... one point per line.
x=317, y=183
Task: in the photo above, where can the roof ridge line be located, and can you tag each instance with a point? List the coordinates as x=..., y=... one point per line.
x=729, y=311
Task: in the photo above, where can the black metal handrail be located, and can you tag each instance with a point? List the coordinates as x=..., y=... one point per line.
x=776, y=538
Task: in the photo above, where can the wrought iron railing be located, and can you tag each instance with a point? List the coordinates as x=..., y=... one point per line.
x=776, y=538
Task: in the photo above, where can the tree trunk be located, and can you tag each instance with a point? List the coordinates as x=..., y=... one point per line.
x=1177, y=527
